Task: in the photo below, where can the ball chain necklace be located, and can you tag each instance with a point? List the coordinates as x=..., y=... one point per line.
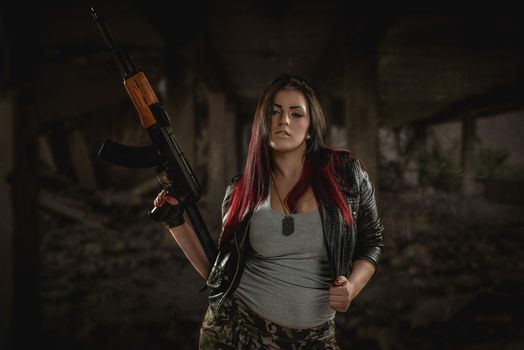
x=288, y=223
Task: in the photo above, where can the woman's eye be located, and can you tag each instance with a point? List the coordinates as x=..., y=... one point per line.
x=297, y=115
x=275, y=112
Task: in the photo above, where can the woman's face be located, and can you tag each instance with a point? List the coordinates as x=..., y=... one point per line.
x=290, y=121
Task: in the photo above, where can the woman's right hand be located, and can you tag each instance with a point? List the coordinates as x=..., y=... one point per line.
x=163, y=197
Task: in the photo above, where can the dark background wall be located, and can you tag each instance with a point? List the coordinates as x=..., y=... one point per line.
x=432, y=102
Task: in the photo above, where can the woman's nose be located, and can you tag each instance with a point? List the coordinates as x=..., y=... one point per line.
x=284, y=119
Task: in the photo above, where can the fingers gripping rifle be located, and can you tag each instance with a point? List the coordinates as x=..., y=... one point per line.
x=163, y=154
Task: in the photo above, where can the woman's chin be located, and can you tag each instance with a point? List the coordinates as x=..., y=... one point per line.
x=281, y=147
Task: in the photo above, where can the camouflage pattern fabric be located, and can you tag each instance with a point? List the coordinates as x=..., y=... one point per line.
x=236, y=326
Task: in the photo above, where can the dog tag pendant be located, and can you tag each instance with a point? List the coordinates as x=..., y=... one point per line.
x=288, y=225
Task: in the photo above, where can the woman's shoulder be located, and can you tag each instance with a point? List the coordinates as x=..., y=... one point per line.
x=235, y=179
x=344, y=159
x=348, y=168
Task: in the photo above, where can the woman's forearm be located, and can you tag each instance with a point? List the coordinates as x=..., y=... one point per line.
x=361, y=273
x=188, y=241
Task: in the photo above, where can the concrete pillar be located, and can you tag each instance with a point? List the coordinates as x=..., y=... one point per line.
x=6, y=211
x=24, y=51
x=360, y=109
x=468, y=155
x=222, y=153
x=6, y=217
x=231, y=144
x=180, y=100
x=26, y=242
x=333, y=107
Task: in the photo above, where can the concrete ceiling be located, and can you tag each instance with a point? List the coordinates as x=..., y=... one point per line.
x=428, y=65
x=256, y=42
x=443, y=66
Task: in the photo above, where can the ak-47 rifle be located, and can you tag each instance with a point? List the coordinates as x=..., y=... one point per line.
x=173, y=171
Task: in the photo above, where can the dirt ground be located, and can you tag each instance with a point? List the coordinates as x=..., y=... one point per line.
x=450, y=278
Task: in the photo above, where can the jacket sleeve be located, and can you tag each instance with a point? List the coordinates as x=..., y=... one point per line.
x=369, y=244
x=226, y=203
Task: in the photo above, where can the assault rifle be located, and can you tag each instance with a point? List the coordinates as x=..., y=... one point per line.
x=173, y=171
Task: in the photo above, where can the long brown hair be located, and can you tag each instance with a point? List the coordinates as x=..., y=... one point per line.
x=253, y=185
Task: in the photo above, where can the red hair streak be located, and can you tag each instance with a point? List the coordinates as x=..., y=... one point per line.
x=248, y=193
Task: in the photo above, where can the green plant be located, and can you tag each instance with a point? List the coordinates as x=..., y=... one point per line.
x=489, y=163
x=493, y=164
x=437, y=167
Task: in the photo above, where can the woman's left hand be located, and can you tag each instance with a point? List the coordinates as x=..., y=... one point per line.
x=341, y=294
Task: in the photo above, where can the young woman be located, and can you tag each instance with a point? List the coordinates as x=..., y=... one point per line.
x=301, y=233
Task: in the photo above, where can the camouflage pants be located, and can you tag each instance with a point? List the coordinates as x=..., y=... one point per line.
x=236, y=326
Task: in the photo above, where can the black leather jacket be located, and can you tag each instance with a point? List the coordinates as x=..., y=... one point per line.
x=361, y=240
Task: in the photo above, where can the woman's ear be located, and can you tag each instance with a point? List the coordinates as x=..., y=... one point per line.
x=309, y=141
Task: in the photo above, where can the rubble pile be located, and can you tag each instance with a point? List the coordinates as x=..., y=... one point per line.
x=450, y=276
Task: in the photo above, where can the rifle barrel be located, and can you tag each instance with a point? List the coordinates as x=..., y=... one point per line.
x=125, y=63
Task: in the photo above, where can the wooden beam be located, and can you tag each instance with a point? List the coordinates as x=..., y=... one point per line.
x=71, y=209
x=81, y=158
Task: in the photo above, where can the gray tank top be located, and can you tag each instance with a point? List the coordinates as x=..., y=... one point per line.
x=286, y=279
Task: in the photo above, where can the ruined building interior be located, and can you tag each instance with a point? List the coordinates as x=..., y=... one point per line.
x=432, y=102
